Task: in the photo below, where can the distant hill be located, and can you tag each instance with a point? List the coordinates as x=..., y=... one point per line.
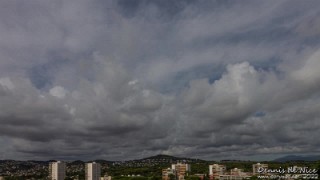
x=163, y=156
x=76, y=162
x=168, y=158
x=298, y=158
x=101, y=161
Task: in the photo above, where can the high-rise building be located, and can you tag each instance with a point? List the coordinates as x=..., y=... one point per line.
x=93, y=171
x=57, y=170
x=256, y=168
x=181, y=169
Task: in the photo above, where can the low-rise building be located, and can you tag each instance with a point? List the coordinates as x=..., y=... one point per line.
x=256, y=168
x=167, y=173
x=179, y=171
x=216, y=170
x=106, y=177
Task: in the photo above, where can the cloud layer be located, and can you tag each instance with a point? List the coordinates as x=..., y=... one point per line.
x=129, y=79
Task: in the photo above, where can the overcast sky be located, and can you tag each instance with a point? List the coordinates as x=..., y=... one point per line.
x=119, y=80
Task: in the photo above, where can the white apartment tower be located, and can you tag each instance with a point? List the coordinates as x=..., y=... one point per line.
x=93, y=171
x=57, y=170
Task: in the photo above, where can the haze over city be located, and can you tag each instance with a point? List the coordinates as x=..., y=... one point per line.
x=120, y=80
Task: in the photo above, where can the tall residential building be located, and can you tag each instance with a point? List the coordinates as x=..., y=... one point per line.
x=256, y=167
x=181, y=169
x=57, y=170
x=93, y=171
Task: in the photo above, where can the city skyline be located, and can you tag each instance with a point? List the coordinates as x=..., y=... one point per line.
x=157, y=168
x=121, y=80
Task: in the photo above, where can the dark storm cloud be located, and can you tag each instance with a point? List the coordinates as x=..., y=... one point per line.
x=129, y=79
x=167, y=9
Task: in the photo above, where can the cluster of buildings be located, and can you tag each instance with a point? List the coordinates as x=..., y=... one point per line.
x=57, y=171
x=179, y=170
x=22, y=168
x=216, y=171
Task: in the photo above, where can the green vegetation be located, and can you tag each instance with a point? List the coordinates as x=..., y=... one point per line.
x=146, y=171
x=192, y=178
x=200, y=168
x=153, y=170
x=130, y=178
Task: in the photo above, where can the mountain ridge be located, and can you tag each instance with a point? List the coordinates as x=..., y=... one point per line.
x=298, y=158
